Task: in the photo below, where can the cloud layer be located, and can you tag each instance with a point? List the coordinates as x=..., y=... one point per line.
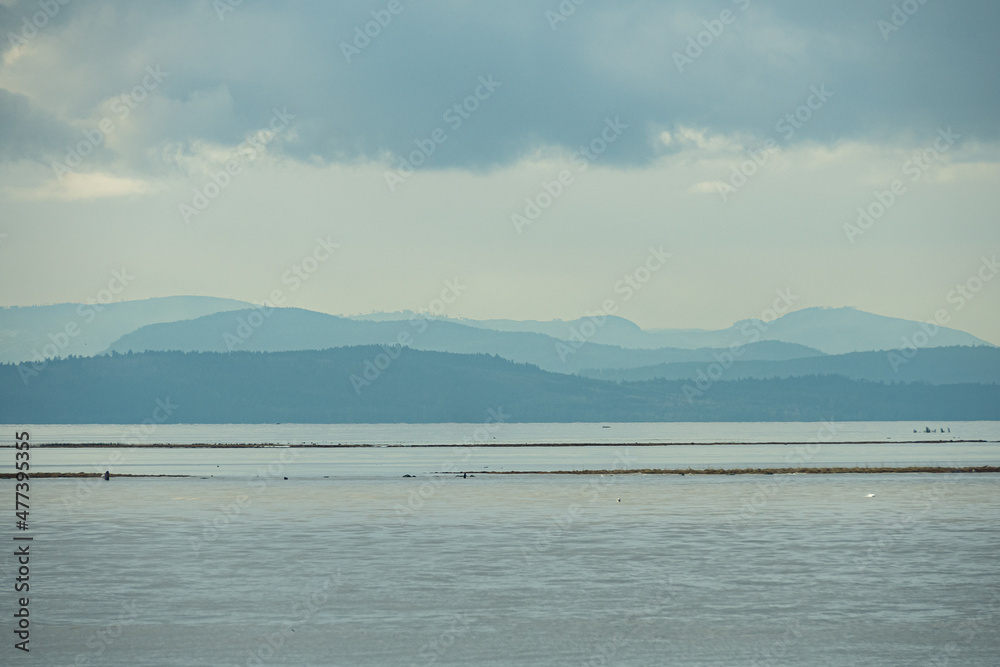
x=725, y=68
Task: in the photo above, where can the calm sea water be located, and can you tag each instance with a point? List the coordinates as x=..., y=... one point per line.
x=365, y=567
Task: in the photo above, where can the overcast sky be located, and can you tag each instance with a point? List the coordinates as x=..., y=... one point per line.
x=531, y=152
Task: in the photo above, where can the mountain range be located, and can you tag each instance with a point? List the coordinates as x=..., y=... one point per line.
x=88, y=362
x=31, y=333
x=288, y=329
x=828, y=330
x=192, y=323
x=942, y=365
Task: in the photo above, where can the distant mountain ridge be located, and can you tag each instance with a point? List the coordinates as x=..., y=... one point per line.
x=36, y=332
x=612, y=330
x=85, y=329
x=939, y=365
x=829, y=330
x=291, y=329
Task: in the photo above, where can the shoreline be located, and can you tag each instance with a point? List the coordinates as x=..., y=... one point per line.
x=750, y=471
x=218, y=445
x=55, y=475
x=637, y=471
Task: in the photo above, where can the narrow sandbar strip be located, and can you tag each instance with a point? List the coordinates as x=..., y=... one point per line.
x=636, y=471
x=219, y=445
x=741, y=471
x=41, y=475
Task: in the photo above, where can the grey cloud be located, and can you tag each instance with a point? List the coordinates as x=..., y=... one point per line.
x=612, y=59
x=27, y=132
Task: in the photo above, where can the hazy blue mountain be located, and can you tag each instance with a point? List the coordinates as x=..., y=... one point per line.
x=49, y=330
x=287, y=329
x=611, y=330
x=830, y=330
x=938, y=365
x=345, y=385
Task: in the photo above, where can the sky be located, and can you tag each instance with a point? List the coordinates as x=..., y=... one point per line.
x=687, y=163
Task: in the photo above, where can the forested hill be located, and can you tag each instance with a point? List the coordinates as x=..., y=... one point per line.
x=344, y=385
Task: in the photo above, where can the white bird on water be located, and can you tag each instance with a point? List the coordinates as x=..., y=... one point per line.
x=870, y=495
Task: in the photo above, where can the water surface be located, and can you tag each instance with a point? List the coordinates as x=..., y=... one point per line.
x=346, y=562
x=540, y=570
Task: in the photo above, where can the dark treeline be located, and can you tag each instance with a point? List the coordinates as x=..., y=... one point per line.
x=343, y=385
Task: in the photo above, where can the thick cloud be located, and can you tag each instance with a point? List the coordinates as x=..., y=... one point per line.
x=27, y=132
x=559, y=80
